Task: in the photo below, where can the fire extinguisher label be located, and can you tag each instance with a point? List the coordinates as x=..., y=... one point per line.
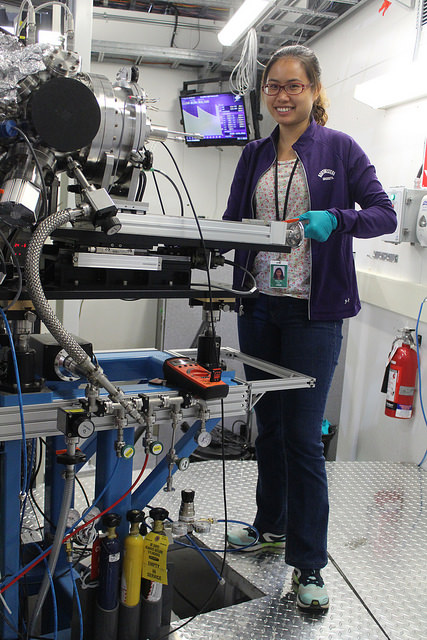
x=403, y=411
x=393, y=378
x=406, y=391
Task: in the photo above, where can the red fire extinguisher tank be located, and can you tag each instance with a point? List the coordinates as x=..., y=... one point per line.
x=403, y=366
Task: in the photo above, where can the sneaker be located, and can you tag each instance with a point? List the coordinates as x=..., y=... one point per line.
x=246, y=539
x=310, y=589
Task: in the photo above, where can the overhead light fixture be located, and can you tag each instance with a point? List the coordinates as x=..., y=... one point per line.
x=242, y=20
x=391, y=89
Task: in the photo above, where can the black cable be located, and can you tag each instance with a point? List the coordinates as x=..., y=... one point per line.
x=348, y=583
x=83, y=490
x=38, y=465
x=224, y=485
x=39, y=526
x=142, y=183
x=3, y=262
x=18, y=633
x=174, y=186
x=202, y=240
x=32, y=480
x=175, y=27
x=159, y=195
x=186, y=600
x=18, y=269
x=39, y=169
x=202, y=609
x=240, y=292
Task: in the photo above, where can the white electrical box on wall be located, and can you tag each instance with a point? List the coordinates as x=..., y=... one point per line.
x=406, y=203
x=422, y=223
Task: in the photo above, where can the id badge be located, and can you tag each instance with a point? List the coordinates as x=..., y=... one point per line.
x=278, y=274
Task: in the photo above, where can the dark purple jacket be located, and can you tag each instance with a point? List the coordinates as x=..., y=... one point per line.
x=338, y=174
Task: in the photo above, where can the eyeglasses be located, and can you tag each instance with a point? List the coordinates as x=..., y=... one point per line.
x=291, y=88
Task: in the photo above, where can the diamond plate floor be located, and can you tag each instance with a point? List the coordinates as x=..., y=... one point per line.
x=377, y=572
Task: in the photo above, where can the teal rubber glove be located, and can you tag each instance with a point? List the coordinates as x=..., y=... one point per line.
x=318, y=225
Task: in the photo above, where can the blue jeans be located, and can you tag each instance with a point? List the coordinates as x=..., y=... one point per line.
x=292, y=490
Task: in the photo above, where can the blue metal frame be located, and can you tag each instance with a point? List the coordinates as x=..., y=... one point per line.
x=136, y=367
x=10, y=479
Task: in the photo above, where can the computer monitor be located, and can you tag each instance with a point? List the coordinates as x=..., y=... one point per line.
x=219, y=117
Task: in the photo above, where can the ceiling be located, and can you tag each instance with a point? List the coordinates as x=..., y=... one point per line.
x=284, y=22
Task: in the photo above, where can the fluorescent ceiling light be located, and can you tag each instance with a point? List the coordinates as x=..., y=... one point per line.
x=391, y=89
x=242, y=20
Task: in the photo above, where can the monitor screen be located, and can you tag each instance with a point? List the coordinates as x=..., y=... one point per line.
x=219, y=117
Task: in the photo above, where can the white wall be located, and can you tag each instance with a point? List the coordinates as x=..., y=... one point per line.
x=362, y=47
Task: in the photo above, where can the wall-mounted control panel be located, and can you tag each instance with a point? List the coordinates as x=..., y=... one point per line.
x=406, y=203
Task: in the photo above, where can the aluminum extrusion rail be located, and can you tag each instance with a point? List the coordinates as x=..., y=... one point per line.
x=221, y=233
x=41, y=419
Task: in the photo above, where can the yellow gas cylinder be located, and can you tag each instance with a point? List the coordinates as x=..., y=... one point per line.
x=132, y=562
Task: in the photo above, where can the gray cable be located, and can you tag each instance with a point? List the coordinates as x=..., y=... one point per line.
x=57, y=544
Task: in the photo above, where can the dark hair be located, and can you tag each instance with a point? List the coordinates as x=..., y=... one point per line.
x=312, y=68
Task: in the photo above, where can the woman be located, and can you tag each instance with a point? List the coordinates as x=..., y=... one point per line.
x=308, y=171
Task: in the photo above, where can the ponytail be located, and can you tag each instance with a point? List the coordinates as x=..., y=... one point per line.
x=319, y=109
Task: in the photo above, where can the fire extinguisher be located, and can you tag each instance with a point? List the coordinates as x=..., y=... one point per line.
x=400, y=377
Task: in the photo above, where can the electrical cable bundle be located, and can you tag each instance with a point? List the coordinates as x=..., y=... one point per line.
x=243, y=78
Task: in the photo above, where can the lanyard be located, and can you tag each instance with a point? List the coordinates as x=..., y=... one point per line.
x=288, y=189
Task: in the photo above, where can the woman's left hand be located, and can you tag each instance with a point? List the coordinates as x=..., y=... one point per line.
x=318, y=225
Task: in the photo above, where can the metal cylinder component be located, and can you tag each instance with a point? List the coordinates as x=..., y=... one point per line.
x=106, y=623
x=129, y=620
x=179, y=528
x=123, y=126
x=20, y=199
x=109, y=564
x=186, y=510
x=151, y=613
x=294, y=234
x=63, y=63
x=201, y=526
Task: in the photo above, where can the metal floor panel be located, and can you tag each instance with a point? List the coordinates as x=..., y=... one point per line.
x=377, y=575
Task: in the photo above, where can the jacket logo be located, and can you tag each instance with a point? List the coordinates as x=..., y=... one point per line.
x=326, y=174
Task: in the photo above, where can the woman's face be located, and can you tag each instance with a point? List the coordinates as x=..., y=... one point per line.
x=290, y=111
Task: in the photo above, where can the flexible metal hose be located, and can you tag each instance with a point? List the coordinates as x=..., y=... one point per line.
x=57, y=543
x=34, y=285
x=46, y=314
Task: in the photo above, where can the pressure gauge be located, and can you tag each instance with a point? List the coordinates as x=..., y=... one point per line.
x=127, y=451
x=204, y=438
x=156, y=448
x=183, y=464
x=85, y=428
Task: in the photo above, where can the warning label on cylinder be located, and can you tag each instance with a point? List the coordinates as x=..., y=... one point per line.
x=155, y=555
